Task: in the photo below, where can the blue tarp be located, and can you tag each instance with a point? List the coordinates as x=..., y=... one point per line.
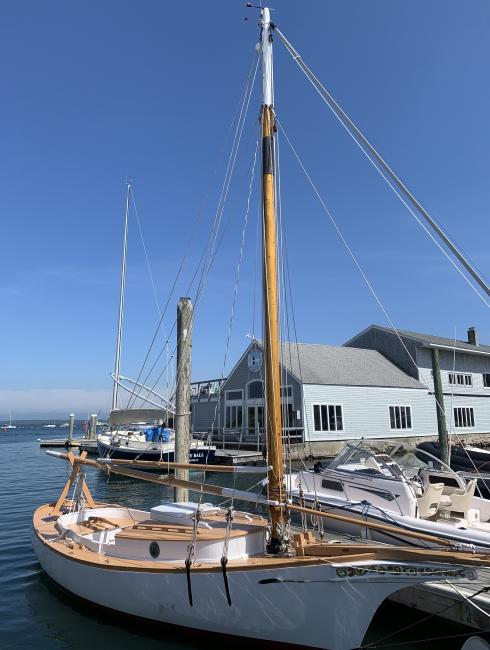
x=157, y=434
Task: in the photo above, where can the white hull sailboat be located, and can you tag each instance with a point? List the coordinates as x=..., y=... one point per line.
x=221, y=570
x=323, y=602
x=8, y=426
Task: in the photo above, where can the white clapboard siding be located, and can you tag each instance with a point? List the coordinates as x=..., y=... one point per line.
x=459, y=363
x=366, y=411
x=481, y=412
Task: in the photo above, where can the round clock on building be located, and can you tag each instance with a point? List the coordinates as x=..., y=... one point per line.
x=255, y=360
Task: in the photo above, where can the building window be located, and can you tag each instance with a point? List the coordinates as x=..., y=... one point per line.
x=234, y=395
x=286, y=391
x=400, y=417
x=233, y=416
x=486, y=379
x=288, y=415
x=460, y=379
x=255, y=389
x=464, y=417
x=328, y=417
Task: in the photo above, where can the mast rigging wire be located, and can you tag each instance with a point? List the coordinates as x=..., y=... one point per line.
x=208, y=249
x=387, y=173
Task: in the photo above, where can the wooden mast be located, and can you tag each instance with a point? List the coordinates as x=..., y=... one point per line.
x=277, y=489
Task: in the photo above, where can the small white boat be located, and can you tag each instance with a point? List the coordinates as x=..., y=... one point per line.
x=50, y=426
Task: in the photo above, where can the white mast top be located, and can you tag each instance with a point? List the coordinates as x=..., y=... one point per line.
x=266, y=46
x=117, y=364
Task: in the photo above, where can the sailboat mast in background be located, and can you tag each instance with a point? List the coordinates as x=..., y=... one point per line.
x=117, y=364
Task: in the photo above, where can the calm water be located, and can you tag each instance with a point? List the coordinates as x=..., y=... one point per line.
x=34, y=613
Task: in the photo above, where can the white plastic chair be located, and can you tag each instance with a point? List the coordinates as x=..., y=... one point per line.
x=461, y=503
x=428, y=503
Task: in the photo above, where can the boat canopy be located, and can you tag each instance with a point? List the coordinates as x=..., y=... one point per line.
x=130, y=416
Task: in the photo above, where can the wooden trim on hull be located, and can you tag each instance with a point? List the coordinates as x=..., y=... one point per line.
x=308, y=554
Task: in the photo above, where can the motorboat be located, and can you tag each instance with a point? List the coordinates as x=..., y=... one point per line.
x=424, y=495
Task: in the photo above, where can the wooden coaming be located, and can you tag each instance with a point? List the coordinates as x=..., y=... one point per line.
x=310, y=553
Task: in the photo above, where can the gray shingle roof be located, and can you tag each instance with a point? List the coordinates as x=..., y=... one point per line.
x=436, y=340
x=341, y=366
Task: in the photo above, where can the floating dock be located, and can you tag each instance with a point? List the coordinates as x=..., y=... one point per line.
x=238, y=457
x=60, y=442
x=458, y=603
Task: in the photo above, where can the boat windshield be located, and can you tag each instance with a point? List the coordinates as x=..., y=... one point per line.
x=359, y=459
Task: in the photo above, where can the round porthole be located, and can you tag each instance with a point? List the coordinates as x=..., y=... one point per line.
x=154, y=549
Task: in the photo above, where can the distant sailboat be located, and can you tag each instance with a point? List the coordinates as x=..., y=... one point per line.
x=50, y=426
x=9, y=425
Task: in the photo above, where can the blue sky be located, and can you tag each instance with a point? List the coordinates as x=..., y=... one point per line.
x=94, y=92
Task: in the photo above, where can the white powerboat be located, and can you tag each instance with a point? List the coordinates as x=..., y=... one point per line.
x=428, y=497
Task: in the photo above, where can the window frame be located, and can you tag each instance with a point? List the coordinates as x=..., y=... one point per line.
x=486, y=374
x=235, y=400
x=327, y=405
x=466, y=379
x=247, y=387
x=400, y=406
x=471, y=413
x=229, y=408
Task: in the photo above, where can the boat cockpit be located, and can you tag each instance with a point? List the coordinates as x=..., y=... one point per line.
x=419, y=485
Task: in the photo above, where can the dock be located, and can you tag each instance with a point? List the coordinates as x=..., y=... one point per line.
x=238, y=457
x=60, y=442
x=456, y=603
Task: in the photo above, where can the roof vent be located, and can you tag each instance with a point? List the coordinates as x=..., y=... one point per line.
x=472, y=336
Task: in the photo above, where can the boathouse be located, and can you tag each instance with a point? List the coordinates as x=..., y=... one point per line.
x=459, y=370
x=328, y=393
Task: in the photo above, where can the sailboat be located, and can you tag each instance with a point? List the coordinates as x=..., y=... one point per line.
x=136, y=433
x=218, y=570
x=8, y=426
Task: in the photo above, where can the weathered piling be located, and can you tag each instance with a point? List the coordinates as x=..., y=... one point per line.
x=93, y=427
x=71, y=426
x=183, y=393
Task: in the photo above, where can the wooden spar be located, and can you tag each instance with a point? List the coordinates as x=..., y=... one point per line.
x=387, y=528
x=183, y=394
x=198, y=467
x=75, y=462
x=237, y=494
x=276, y=487
x=227, y=493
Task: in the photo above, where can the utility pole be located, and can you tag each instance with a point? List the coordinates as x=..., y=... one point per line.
x=183, y=393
